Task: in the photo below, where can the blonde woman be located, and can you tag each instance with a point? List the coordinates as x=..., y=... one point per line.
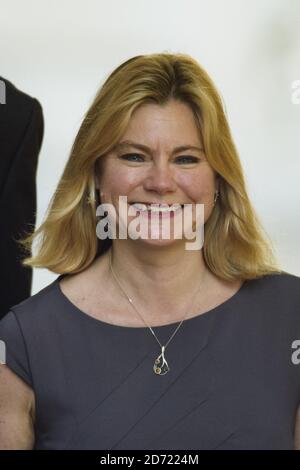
x=140, y=342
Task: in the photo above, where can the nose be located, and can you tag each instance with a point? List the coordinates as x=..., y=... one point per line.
x=160, y=179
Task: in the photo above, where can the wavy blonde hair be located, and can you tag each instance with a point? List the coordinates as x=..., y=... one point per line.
x=235, y=244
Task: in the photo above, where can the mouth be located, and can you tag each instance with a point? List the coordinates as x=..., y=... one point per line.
x=156, y=207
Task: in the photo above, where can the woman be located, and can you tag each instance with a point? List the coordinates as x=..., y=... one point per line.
x=141, y=342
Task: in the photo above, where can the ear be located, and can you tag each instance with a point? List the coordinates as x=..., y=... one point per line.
x=96, y=182
x=218, y=182
x=96, y=173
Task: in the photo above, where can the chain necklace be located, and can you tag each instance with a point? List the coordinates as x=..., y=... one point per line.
x=160, y=366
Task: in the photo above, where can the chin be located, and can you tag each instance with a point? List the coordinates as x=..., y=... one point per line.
x=159, y=242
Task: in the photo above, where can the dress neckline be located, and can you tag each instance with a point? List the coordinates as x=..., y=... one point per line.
x=201, y=316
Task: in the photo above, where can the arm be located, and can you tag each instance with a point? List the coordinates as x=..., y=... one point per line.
x=297, y=430
x=17, y=412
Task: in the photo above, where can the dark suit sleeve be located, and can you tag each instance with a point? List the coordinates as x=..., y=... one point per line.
x=21, y=134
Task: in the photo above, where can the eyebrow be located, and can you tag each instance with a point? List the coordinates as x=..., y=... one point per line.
x=129, y=143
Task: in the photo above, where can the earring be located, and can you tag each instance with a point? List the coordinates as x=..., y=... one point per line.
x=90, y=200
x=216, y=196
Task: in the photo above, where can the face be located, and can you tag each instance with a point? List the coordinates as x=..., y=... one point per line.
x=151, y=169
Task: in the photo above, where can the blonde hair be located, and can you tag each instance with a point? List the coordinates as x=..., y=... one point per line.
x=235, y=244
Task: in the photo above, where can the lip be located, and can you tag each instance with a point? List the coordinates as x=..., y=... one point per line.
x=155, y=216
x=162, y=204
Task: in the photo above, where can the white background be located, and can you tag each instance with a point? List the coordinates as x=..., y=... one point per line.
x=61, y=52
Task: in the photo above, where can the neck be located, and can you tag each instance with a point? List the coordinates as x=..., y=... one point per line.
x=163, y=277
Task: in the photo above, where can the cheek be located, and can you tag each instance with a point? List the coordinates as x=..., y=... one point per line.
x=117, y=180
x=198, y=187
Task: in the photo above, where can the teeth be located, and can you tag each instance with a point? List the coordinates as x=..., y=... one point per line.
x=141, y=207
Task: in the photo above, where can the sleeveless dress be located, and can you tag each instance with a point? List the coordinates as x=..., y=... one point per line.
x=233, y=383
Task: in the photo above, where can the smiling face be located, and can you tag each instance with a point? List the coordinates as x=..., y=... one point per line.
x=150, y=164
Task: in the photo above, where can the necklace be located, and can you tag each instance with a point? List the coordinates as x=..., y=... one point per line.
x=160, y=366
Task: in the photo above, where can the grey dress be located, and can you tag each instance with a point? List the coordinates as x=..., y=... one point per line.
x=232, y=382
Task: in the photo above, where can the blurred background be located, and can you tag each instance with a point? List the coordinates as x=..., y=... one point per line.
x=60, y=52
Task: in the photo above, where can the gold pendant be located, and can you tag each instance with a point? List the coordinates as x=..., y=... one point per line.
x=160, y=365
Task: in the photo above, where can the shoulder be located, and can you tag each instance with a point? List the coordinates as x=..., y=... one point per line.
x=276, y=298
x=37, y=306
x=28, y=327
x=17, y=94
x=280, y=289
x=280, y=284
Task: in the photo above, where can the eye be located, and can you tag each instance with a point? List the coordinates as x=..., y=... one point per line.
x=187, y=159
x=136, y=158
x=132, y=157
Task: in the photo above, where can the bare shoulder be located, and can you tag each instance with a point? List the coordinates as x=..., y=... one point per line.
x=17, y=412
